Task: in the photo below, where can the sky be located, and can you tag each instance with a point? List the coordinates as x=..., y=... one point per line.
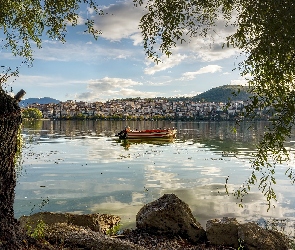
x=115, y=66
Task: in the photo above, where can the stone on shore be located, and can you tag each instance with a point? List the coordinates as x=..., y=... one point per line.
x=170, y=215
x=254, y=237
x=96, y=222
x=166, y=223
x=68, y=236
x=223, y=232
x=228, y=232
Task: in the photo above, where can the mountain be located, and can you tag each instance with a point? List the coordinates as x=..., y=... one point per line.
x=43, y=100
x=218, y=94
x=224, y=93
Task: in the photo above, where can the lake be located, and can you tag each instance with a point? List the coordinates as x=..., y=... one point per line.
x=81, y=167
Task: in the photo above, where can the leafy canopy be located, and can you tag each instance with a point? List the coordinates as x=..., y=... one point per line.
x=23, y=23
x=264, y=33
x=32, y=113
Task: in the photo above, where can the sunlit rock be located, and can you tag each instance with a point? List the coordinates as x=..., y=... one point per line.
x=96, y=222
x=170, y=215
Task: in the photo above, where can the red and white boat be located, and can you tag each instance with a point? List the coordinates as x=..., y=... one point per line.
x=127, y=133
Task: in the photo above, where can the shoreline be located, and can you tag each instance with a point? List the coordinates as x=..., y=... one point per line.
x=166, y=223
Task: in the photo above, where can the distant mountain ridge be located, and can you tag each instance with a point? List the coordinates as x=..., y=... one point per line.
x=219, y=94
x=224, y=93
x=43, y=100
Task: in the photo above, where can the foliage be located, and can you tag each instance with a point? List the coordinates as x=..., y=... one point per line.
x=264, y=33
x=32, y=113
x=18, y=154
x=80, y=116
x=24, y=22
x=114, y=230
x=19, y=145
x=241, y=244
x=39, y=232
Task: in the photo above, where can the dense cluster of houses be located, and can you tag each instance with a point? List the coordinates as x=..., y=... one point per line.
x=139, y=109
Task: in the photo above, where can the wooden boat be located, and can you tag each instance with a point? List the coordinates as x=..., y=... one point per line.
x=127, y=133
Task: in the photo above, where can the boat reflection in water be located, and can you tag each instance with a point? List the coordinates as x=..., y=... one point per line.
x=126, y=143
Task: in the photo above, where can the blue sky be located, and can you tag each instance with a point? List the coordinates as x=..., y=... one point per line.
x=115, y=65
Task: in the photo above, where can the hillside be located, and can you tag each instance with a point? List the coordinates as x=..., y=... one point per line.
x=43, y=100
x=218, y=94
x=223, y=94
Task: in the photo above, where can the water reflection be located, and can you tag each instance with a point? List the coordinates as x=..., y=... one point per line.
x=80, y=166
x=127, y=143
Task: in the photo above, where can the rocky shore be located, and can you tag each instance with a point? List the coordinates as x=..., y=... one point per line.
x=166, y=223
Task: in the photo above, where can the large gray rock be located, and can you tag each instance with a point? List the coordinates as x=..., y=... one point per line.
x=223, y=232
x=96, y=222
x=170, y=215
x=254, y=237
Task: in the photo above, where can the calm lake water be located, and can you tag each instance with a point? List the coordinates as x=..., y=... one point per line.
x=81, y=167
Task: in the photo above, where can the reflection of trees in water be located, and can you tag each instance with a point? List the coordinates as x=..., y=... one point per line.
x=221, y=131
x=92, y=127
x=33, y=124
x=126, y=143
x=224, y=136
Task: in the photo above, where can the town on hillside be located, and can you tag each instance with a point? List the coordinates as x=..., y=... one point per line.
x=146, y=109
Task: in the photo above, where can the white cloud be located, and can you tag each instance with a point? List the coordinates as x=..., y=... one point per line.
x=35, y=80
x=204, y=70
x=80, y=20
x=107, y=83
x=136, y=93
x=90, y=10
x=210, y=48
x=210, y=55
x=166, y=63
x=121, y=21
x=122, y=57
x=241, y=81
x=110, y=88
x=79, y=51
x=137, y=39
x=191, y=94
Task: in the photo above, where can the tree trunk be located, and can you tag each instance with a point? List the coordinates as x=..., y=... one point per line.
x=11, y=236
